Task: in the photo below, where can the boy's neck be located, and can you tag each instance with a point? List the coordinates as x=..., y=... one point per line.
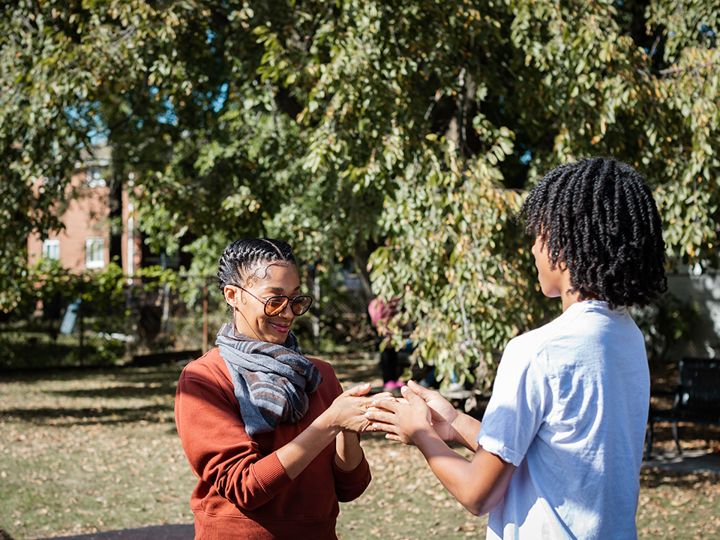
x=568, y=298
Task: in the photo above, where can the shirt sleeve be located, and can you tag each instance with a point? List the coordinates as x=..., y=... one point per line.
x=517, y=407
x=217, y=446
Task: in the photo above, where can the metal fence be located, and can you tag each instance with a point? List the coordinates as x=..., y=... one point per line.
x=155, y=322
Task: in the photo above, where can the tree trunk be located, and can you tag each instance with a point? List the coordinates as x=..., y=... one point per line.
x=361, y=261
x=115, y=216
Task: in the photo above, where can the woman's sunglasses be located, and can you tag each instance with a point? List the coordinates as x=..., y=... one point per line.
x=275, y=305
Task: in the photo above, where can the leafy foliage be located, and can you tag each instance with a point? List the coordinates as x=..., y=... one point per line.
x=359, y=127
x=106, y=317
x=103, y=289
x=668, y=325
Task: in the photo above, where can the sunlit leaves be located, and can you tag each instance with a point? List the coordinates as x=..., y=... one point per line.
x=348, y=125
x=453, y=257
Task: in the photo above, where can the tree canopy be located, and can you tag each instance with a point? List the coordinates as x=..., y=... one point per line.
x=398, y=134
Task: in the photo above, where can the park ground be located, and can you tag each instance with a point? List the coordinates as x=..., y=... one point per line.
x=97, y=450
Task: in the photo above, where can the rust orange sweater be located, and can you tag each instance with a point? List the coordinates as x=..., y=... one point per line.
x=243, y=490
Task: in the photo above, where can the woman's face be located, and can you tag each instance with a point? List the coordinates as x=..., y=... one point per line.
x=250, y=318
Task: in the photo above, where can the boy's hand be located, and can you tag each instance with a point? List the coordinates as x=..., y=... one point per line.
x=402, y=420
x=442, y=411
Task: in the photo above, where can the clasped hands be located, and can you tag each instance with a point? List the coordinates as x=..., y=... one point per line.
x=419, y=411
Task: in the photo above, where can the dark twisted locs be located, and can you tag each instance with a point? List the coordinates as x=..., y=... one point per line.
x=598, y=218
x=242, y=259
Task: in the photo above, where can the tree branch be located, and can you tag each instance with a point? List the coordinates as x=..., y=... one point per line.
x=679, y=69
x=137, y=104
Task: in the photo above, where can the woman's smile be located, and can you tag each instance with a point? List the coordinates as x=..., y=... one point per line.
x=283, y=328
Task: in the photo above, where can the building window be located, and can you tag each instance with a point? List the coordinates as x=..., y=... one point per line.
x=95, y=178
x=51, y=249
x=94, y=252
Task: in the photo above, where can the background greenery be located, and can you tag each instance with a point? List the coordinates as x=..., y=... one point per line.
x=119, y=320
x=393, y=136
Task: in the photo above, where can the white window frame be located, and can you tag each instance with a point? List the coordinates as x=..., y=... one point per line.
x=94, y=252
x=51, y=249
x=94, y=178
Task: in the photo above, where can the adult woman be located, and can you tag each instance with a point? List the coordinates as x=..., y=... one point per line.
x=269, y=433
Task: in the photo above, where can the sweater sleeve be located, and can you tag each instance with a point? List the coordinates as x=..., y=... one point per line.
x=217, y=446
x=349, y=485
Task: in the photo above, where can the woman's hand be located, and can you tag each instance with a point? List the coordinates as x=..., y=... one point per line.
x=347, y=412
x=348, y=453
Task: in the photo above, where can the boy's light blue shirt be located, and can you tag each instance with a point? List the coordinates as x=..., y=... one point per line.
x=569, y=409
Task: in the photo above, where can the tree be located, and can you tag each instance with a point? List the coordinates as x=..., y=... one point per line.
x=395, y=133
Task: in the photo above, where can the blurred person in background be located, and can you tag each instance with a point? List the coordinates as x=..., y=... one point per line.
x=381, y=313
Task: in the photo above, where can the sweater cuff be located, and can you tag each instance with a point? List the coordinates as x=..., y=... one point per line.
x=271, y=475
x=356, y=476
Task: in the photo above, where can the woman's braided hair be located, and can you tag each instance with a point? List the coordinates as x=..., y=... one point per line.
x=597, y=217
x=240, y=260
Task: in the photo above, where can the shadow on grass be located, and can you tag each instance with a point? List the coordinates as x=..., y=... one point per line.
x=162, y=374
x=653, y=478
x=120, y=392
x=68, y=417
x=688, y=432
x=353, y=368
x=99, y=389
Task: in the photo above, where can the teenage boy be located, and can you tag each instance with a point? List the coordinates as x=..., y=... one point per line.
x=559, y=450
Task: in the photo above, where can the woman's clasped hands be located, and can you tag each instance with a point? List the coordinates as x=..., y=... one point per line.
x=402, y=419
x=347, y=412
x=420, y=411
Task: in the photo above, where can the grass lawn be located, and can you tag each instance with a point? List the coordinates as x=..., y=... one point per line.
x=96, y=450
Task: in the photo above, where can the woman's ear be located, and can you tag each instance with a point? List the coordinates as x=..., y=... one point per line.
x=231, y=295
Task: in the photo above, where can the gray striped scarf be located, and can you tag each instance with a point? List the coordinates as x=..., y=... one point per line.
x=271, y=381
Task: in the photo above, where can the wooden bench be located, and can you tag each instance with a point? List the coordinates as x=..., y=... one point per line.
x=696, y=398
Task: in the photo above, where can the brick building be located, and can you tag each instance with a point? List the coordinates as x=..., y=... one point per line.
x=85, y=243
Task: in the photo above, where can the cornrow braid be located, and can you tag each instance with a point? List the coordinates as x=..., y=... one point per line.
x=597, y=217
x=240, y=260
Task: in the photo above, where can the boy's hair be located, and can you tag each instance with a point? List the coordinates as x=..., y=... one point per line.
x=597, y=218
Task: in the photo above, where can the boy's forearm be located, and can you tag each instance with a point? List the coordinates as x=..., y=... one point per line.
x=452, y=469
x=478, y=485
x=466, y=431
